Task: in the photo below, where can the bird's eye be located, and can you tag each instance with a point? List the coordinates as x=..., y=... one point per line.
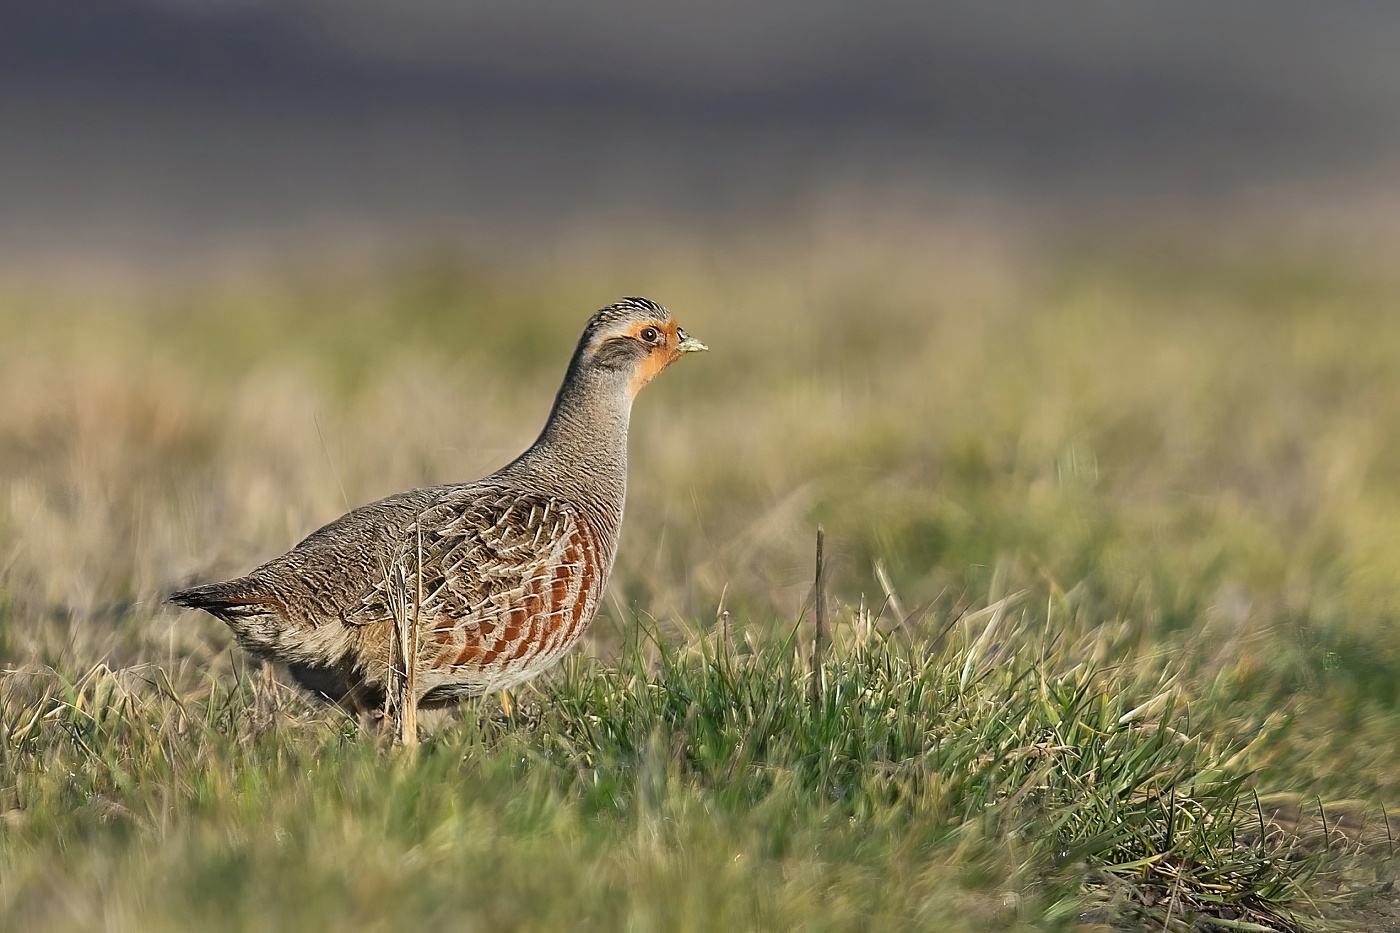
x=649, y=334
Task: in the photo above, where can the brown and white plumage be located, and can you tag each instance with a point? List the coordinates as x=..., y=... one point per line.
x=510, y=568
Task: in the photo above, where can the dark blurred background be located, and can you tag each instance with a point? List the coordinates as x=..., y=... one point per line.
x=134, y=131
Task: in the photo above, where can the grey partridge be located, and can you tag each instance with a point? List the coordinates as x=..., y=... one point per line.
x=499, y=577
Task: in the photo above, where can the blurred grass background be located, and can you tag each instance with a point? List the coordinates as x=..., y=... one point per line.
x=1182, y=459
x=1076, y=327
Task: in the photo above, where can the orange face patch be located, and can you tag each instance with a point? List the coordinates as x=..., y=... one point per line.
x=661, y=355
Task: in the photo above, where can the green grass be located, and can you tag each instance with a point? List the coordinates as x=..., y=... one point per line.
x=1112, y=535
x=996, y=778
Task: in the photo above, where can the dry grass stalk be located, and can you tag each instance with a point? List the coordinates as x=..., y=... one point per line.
x=408, y=651
x=891, y=598
x=820, y=635
x=401, y=693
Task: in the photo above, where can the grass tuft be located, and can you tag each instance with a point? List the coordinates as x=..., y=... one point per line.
x=1085, y=790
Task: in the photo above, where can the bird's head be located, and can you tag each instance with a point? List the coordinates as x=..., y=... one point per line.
x=636, y=337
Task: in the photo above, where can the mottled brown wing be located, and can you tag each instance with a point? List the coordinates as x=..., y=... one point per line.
x=505, y=579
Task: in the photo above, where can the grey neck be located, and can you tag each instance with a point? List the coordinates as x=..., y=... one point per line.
x=581, y=455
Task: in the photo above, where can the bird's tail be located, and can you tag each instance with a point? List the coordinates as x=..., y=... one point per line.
x=230, y=601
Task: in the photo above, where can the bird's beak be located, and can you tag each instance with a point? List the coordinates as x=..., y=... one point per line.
x=688, y=343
